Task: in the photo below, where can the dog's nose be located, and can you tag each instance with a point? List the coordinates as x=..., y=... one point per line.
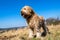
x=21, y=13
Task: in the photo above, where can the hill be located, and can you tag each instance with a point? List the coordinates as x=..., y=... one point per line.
x=22, y=34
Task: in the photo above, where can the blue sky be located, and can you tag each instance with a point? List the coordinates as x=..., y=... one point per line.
x=10, y=11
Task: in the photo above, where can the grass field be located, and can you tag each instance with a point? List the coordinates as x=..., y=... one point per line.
x=22, y=34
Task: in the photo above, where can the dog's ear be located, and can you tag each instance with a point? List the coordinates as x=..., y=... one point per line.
x=31, y=11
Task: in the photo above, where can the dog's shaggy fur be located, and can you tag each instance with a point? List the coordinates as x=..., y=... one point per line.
x=34, y=22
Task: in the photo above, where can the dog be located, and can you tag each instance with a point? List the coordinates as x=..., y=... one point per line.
x=34, y=22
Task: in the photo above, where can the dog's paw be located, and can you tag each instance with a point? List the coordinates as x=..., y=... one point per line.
x=44, y=34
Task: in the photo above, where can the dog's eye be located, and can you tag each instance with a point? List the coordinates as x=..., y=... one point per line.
x=24, y=8
x=31, y=11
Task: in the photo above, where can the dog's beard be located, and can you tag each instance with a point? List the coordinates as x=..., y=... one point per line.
x=26, y=16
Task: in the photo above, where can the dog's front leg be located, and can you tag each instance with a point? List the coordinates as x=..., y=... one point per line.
x=30, y=33
x=38, y=33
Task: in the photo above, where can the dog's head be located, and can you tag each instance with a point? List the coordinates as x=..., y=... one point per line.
x=26, y=11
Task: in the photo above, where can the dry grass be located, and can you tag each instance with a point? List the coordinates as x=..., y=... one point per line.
x=22, y=34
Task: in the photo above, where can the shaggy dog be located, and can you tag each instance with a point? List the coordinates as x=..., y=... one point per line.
x=34, y=22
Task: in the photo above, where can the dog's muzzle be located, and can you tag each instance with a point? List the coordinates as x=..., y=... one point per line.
x=24, y=14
